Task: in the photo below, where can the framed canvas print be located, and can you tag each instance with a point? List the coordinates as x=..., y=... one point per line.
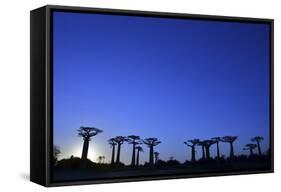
x=119, y=95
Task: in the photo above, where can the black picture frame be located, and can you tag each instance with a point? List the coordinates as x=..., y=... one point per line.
x=41, y=119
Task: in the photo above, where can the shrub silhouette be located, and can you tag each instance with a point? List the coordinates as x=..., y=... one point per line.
x=160, y=163
x=74, y=163
x=172, y=162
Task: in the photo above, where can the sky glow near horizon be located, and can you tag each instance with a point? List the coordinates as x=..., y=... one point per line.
x=172, y=79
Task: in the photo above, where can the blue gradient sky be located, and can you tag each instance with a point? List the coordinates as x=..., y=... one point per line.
x=154, y=77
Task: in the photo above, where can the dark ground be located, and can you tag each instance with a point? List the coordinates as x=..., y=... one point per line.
x=70, y=169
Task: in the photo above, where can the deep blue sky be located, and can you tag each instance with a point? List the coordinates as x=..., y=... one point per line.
x=167, y=78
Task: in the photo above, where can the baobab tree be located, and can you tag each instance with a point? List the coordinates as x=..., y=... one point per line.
x=250, y=147
x=56, y=152
x=156, y=156
x=202, y=144
x=134, y=140
x=112, y=143
x=87, y=133
x=217, y=140
x=139, y=149
x=230, y=140
x=207, y=144
x=258, y=140
x=99, y=159
x=119, y=140
x=151, y=143
x=192, y=143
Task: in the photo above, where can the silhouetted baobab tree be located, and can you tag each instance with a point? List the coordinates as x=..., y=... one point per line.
x=99, y=159
x=258, y=140
x=151, y=143
x=192, y=143
x=250, y=147
x=134, y=140
x=139, y=149
x=207, y=144
x=202, y=144
x=56, y=152
x=119, y=140
x=87, y=133
x=112, y=143
x=230, y=140
x=217, y=140
x=156, y=156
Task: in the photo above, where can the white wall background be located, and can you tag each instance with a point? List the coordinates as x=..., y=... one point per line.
x=14, y=94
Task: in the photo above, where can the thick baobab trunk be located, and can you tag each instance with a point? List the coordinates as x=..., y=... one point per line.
x=138, y=157
x=113, y=154
x=218, y=151
x=118, y=153
x=231, y=150
x=208, y=152
x=193, y=153
x=133, y=162
x=85, y=149
x=259, y=148
x=203, y=152
x=151, y=156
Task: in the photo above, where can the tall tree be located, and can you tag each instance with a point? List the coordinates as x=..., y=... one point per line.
x=139, y=149
x=112, y=143
x=119, y=140
x=134, y=140
x=207, y=144
x=217, y=140
x=230, y=140
x=151, y=143
x=250, y=147
x=258, y=140
x=202, y=144
x=156, y=156
x=192, y=143
x=86, y=133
